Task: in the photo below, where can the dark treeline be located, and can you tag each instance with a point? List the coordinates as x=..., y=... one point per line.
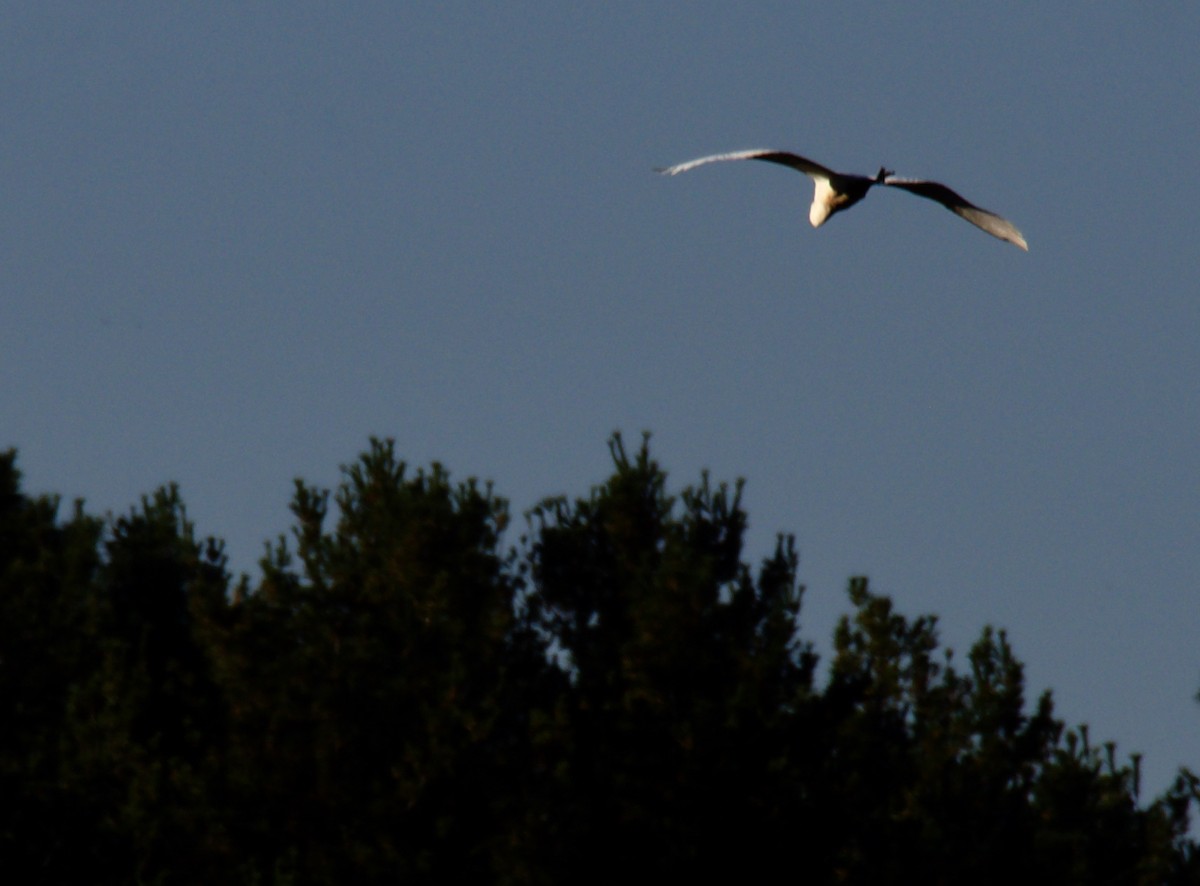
x=401, y=698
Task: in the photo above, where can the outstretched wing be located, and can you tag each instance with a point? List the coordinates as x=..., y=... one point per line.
x=960, y=206
x=795, y=161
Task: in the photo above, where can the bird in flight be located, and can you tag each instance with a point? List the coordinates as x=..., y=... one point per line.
x=835, y=191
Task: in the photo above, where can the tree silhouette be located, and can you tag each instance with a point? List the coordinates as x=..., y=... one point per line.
x=402, y=697
x=682, y=669
x=46, y=575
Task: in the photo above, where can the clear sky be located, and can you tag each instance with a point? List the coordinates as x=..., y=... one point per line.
x=236, y=240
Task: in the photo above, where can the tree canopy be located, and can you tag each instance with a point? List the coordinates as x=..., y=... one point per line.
x=403, y=695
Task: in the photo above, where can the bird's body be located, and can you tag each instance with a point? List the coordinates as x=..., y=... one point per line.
x=836, y=191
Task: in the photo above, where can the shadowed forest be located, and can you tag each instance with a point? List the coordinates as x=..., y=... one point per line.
x=419, y=688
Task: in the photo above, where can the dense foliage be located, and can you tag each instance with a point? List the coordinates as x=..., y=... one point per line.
x=402, y=698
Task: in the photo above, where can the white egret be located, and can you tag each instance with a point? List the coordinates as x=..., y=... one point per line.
x=835, y=191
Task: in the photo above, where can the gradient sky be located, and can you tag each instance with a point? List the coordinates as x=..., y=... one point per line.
x=236, y=240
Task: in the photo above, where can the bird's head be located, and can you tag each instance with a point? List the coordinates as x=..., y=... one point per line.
x=882, y=174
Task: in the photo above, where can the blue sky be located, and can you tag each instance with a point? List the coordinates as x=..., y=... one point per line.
x=236, y=241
